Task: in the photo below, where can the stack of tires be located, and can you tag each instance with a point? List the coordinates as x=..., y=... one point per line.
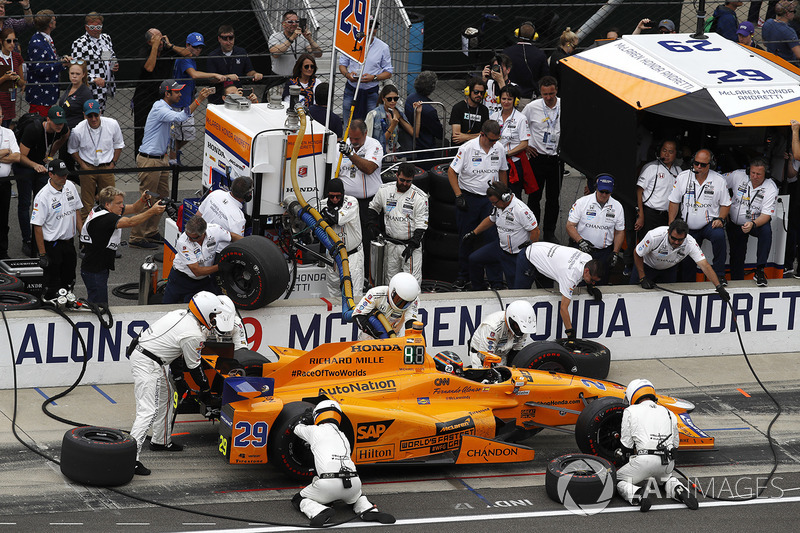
x=421, y=178
x=12, y=295
x=440, y=249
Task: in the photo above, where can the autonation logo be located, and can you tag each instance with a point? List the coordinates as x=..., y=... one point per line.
x=586, y=486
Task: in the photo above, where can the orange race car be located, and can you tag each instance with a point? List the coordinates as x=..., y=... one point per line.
x=400, y=405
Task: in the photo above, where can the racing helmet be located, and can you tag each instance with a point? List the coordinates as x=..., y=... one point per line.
x=449, y=362
x=639, y=388
x=213, y=312
x=403, y=289
x=328, y=411
x=520, y=318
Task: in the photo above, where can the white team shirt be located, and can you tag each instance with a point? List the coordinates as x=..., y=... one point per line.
x=514, y=225
x=174, y=334
x=493, y=336
x=330, y=447
x=355, y=182
x=7, y=142
x=224, y=210
x=701, y=203
x=349, y=227
x=647, y=424
x=563, y=264
x=189, y=252
x=748, y=202
x=596, y=223
x=513, y=130
x=476, y=168
x=57, y=211
x=544, y=124
x=656, y=251
x=96, y=147
x=402, y=212
x=656, y=182
x=376, y=297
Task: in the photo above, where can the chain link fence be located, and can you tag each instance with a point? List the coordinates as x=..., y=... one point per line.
x=422, y=34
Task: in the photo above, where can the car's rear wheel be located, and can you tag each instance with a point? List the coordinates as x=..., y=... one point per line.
x=287, y=452
x=599, y=427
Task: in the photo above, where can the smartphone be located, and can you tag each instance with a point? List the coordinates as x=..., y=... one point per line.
x=303, y=23
x=213, y=90
x=247, y=92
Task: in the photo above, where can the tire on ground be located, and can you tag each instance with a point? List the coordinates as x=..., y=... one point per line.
x=442, y=216
x=98, y=456
x=598, y=429
x=260, y=274
x=18, y=301
x=547, y=356
x=441, y=244
x=440, y=184
x=10, y=283
x=592, y=358
x=591, y=479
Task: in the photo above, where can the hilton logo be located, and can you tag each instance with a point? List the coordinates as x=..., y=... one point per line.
x=375, y=454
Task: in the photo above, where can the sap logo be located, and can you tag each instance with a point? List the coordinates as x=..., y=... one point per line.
x=372, y=431
x=441, y=381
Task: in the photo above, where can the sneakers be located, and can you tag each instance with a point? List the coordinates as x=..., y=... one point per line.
x=322, y=517
x=141, y=470
x=645, y=504
x=460, y=285
x=171, y=447
x=376, y=516
x=143, y=244
x=687, y=498
x=760, y=277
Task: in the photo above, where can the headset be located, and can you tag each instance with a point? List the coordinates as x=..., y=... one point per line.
x=500, y=190
x=529, y=39
x=472, y=84
x=512, y=91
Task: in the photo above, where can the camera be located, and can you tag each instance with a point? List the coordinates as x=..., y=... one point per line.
x=303, y=23
x=495, y=68
x=247, y=92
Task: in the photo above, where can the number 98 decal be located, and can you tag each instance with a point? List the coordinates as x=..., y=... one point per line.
x=251, y=434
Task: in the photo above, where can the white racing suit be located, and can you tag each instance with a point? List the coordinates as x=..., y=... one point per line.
x=644, y=426
x=236, y=336
x=376, y=298
x=331, y=456
x=493, y=336
x=349, y=230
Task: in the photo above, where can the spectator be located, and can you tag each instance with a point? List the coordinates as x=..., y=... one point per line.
x=56, y=218
x=229, y=60
x=544, y=122
x=9, y=154
x=156, y=68
x=101, y=235
x=567, y=44
x=153, y=153
x=12, y=79
x=779, y=38
x=405, y=219
x=700, y=197
x=468, y=115
x=479, y=160
x=377, y=67
x=496, y=76
x=319, y=111
x=752, y=208
x=231, y=88
x=793, y=229
x=95, y=144
x=514, y=136
x=666, y=26
x=754, y=12
x=43, y=65
x=78, y=93
x=388, y=124
x=287, y=44
x=428, y=130
x=744, y=34
x=725, y=16
x=341, y=213
x=226, y=208
x=186, y=72
x=596, y=223
x=19, y=24
x=40, y=140
x=643, y=25
x=96, y=49
x=516, y=229
x=194, y=263
x=529, y=61
x=304, y=75
x=654, y=187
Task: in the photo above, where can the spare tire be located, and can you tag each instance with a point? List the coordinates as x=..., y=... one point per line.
x=592, y=358
x=260, y=272
x=436, y=268
x=98, y=456
x=10, y=283
x=18, y=301
x=442, y=216
x=581, y=482
x=441, y=244
x=599, y=427
x=440, y=184
x=546, y=356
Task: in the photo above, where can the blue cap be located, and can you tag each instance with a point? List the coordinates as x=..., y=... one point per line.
x=746, y=28
x=195, y=39
x=605, y=183
x=91, y=106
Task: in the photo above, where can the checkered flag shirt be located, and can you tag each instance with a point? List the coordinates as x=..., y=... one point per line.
x=91, y=51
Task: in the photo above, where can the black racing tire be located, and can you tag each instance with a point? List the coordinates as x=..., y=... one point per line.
x=435, y=268
x=98, y=456
x=591, y=479
x=251, y=361
x=598, y=429
x=546, y=356
x=10, y=283
x=287, y=452
x=592, y=358
x=18, y=301
x=260, y=272
x=441, y=244
x=442, y=216
x=421, y=178
x=441, y=189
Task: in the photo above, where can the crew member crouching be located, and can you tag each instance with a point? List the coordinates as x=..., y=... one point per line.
x=503, y=333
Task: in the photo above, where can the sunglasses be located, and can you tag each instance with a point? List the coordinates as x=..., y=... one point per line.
x=475, y=91
x=195, y=238
x=334, y=195
x=678, y=239
x=94, y=26
x=404, y=180
x=490, y=139
x=699, y=164
x=226, y=37
x=310, y=67
x=391, y=98
x=15, y=41
x=76, y=62
x=292, y=21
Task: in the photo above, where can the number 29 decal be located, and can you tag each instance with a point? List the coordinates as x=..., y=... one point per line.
x=744, y=74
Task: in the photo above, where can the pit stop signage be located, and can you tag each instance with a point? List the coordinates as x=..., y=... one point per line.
x=351, y=28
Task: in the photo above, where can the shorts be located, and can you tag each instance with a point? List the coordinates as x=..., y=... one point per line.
x=183, y=131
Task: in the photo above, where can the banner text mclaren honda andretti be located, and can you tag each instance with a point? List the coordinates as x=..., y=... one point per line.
x=399, y=408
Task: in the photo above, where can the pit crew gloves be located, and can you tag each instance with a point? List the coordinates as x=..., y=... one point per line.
x=468, y=238
x=585, y=246
x=413, y=244
x=723, y=293
x=647, y=283
x=44, y=261
x=570, y=333
x=330, y=216
x=346, y=149
x=595, y=292
x=365, y=326
x=461, y=202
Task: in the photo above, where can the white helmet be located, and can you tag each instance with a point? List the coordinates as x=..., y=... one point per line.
x=637, y=389
x=520, y=318
x=328, y=411
x=403, y=289
x=213, y=312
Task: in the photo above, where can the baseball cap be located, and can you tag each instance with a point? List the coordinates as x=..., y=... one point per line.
x=56, y=114
x=605, y=183
x=746, y=28
x=91, y=106
x=195, y=39
x=57, y=167
x=666, y=23
x=170, y=85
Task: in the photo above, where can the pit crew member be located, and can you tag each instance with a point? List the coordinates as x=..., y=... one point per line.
x=177, y=334
x=225, y=208
x=341, y=214
x=503, y=333
x=650, y=433
x=336, y=477
x=654, y=186
x=399, y=303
